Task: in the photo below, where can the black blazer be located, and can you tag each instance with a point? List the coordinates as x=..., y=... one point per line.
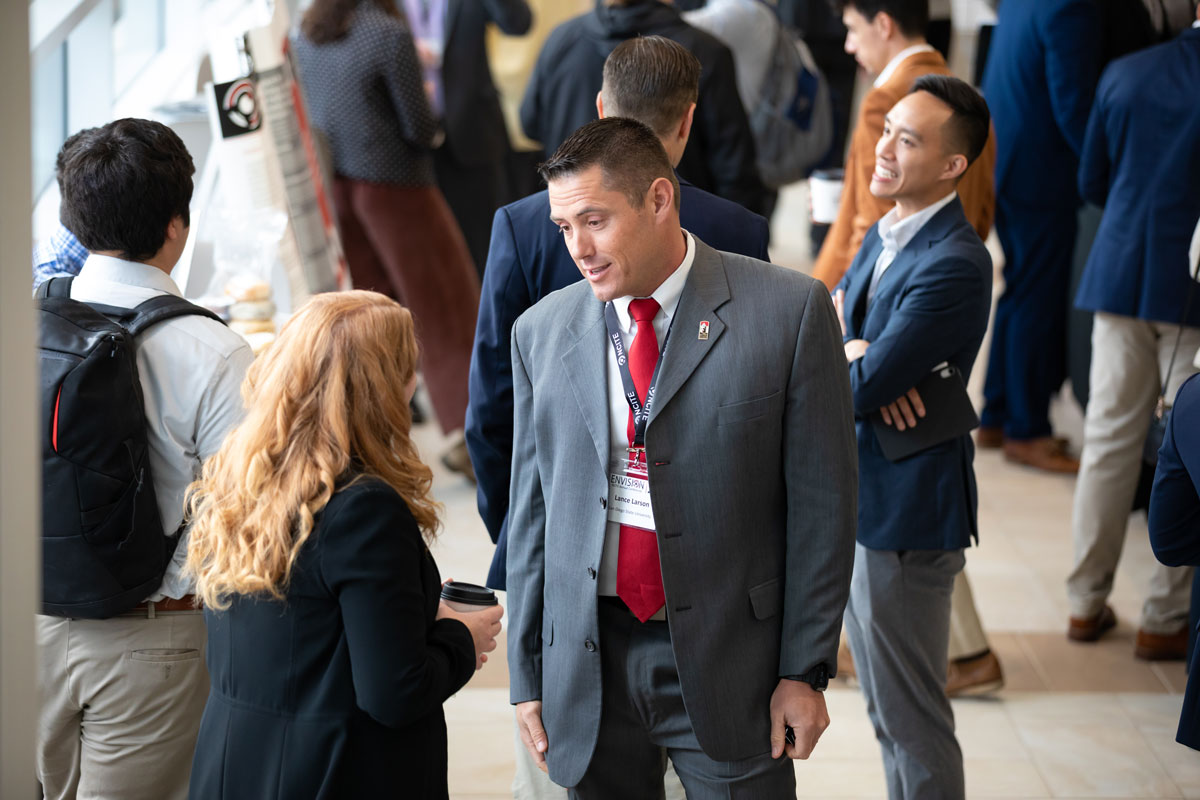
x=527, y=260
x=475, y=128
x=338, y=691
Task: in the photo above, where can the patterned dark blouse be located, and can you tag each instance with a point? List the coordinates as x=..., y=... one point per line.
x=365, y=94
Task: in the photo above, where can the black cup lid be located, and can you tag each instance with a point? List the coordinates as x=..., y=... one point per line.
x=469, y=593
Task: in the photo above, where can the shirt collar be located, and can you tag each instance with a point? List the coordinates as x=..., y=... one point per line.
x=896, y=233
x=133, y=273
x=898, y=59
x=668, y=292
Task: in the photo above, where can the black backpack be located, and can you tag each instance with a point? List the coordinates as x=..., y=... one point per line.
x=103, y=544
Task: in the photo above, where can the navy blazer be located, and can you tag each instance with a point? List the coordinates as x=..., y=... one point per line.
x=337, y=690
x=528, y=260
x=1175, y=524
x=1141, y=162
x=931, y=306
x=1042, y=67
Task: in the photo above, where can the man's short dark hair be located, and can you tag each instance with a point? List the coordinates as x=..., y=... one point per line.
x=967, y=129
x=651, y=79
x=911, y=16
x=628, y=153
x=122, y=184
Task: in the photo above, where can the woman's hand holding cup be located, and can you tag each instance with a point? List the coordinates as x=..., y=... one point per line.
x=478, y=609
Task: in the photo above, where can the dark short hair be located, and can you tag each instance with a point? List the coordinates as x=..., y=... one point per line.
x=970, y=121
x=122, y=184
x=911, y=16
x=651, y=79
x=628, y=153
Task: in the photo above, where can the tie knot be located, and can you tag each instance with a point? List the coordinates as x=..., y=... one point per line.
x=643, y=310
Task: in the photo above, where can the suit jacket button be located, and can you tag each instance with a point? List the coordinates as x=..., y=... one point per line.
x=591, y=573
x=590, y=646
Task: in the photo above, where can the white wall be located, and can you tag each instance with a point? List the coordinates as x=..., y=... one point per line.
x=19, y=485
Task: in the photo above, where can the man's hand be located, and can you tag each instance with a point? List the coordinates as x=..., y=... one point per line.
x=529, y=725
x=855, y=348
x=797, y=705
x=904, y=410
x=839, y=305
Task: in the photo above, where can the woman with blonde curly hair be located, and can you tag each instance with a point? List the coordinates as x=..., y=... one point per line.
x=329, y=650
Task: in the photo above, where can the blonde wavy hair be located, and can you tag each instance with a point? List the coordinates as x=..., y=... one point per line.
x=327, y=400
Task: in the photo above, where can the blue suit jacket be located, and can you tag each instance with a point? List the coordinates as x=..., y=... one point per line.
x=1175, y=524
x=1141, y=162
x=931, y=306
x=1042, y=67
x=527, y=260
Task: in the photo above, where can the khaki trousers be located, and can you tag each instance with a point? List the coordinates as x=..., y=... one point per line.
x=121, y=700
x=966, y=631
x=1129, y=359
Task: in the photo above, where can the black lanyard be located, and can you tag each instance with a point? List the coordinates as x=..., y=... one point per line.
x=641, y=412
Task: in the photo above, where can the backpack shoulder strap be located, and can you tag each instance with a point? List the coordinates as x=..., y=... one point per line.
x=161, y=308
x=54, y=287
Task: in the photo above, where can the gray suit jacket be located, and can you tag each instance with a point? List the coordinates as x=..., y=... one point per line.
x=753, y=480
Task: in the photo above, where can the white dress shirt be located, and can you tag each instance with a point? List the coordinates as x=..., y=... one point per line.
x=191, y=371
x=667, y=295
x=898, y=59
x=896, y=233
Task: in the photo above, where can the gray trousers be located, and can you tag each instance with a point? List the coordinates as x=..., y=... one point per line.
x=898, y=625
x=121, y=701
x=643, y=722
x=1129, y=359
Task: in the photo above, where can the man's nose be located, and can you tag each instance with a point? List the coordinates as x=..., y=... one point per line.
x=884, y=146
x=579, y=244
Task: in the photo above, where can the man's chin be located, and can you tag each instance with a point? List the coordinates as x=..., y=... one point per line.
x=882, y=191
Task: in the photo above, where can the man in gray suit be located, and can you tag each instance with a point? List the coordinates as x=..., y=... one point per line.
x=681, y=525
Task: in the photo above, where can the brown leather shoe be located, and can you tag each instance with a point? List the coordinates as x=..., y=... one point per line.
x=1089, y=629
x=1161, y=647
x=989, y=438
x=1046, y=453
x=457, y=459
x=975, y=675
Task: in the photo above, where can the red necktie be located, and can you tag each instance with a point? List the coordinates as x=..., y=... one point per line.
x=639, y=575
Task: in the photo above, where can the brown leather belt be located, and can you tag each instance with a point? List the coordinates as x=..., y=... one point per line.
x=149, y=609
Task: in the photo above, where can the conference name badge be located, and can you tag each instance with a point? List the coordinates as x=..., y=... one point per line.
x=629, y=495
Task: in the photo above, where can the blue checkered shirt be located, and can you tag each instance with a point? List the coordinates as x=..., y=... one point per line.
x=61, y=254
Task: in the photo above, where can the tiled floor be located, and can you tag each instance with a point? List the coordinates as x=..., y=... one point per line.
x=1075, y=721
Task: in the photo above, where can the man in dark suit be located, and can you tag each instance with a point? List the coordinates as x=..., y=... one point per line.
x=450, y=41
x=915, y=298
x=1041, y=72
x=680, y=535
x=1175, y=526
x=720, y=155
x=651, y=79
x=1141, y=162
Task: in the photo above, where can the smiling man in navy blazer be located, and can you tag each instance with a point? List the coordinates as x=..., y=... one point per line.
x=651, y=79
x=917, y=295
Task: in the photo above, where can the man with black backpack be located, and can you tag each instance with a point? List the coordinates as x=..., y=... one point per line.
x=138, y=388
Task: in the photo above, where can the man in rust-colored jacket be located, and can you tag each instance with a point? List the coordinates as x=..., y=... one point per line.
x=887, y=39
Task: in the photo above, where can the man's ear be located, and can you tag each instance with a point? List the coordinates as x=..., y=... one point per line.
x=955, y=166
x=175, y=229
x=685, y=124
x=884, y=25
x=662, y=197
x=600, y=104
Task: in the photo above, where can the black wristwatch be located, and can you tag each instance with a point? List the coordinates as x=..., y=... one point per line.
x=817, y=677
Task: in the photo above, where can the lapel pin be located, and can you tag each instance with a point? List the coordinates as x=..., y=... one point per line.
x=703, y=334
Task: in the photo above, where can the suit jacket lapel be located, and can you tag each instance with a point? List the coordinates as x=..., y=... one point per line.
x=586, y=365
x=855, y=307
x=934, y=231
x=705, y=291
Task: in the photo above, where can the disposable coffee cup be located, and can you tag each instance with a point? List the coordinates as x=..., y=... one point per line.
x=825, y=191
x=467, y=597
